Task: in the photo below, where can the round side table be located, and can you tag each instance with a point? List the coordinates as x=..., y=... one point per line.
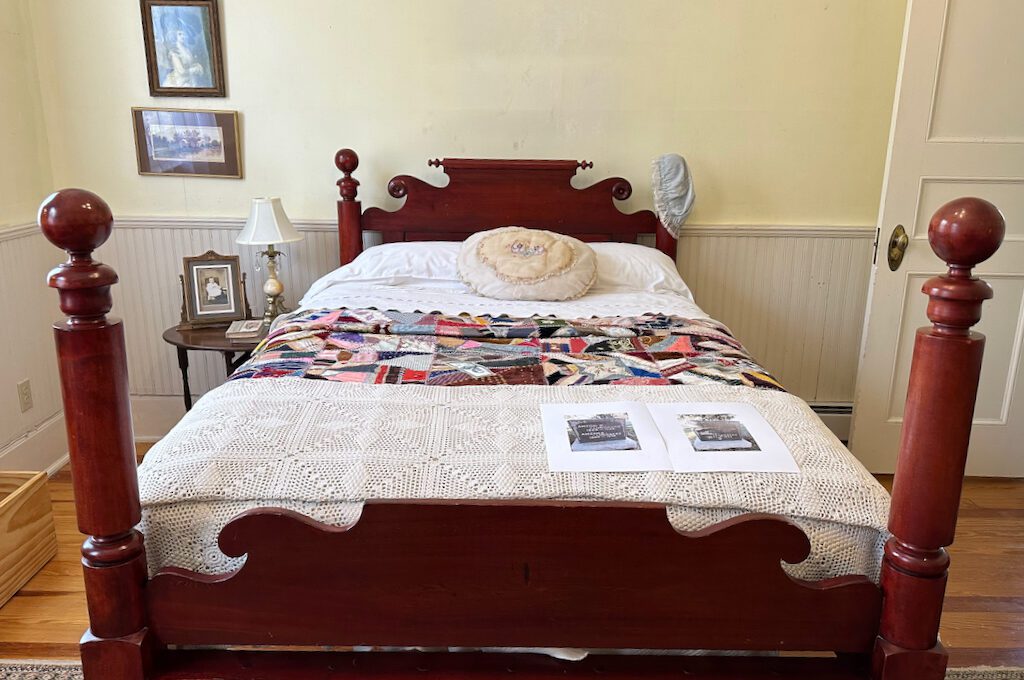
x=208, y=339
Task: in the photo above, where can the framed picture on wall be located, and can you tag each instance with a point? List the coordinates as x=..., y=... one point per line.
x=187, y=142
x=183, y=48
x=213, y=290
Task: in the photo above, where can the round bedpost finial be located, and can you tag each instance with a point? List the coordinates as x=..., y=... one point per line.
x=964, y=233
x=75, y=220
x=79, y=221
x=347, y=161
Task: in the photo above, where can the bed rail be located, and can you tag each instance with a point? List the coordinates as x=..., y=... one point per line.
x=120, y=644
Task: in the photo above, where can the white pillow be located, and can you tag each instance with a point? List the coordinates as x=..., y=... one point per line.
x=625, y=267
x=621, y=267
x=409, y=262
x=515, y=263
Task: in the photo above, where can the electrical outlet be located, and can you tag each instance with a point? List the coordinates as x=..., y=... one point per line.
x=25, y=395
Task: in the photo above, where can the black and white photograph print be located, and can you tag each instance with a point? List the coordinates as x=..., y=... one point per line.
x=183, y=48
x=601, y=432
x=717, y=432
x=212, y=288
x=610, y=436
x=722, y=436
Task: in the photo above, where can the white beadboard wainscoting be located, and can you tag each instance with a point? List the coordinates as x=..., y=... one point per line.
x=147, y=253
x=794, y=295
x=35, y=439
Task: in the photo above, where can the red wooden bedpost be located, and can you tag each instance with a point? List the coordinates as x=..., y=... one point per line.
x=94, y=382
x=350, y=230
x=943, y=386
x=666, y=242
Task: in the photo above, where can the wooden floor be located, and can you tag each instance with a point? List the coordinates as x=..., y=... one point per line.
x=983, y=623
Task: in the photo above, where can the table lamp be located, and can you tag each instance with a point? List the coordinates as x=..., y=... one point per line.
x=267, y=225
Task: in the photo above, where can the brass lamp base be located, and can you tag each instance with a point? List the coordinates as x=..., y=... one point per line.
x=272, y=287
x=275, y=308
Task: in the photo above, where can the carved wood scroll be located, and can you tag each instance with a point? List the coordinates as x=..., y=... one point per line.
x=483, y=194
x=481, y=574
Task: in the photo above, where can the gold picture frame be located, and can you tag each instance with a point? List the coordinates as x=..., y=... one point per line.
x=184, y=54
x=213, y=290
x=187, y=142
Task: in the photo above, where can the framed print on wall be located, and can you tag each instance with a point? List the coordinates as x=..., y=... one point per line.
x=183, y=48
x=213, y=290
x=187, y=142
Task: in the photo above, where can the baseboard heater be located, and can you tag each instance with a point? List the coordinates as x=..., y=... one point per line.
x=837, y=417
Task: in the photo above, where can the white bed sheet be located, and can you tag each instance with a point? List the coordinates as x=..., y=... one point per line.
x=450, y=297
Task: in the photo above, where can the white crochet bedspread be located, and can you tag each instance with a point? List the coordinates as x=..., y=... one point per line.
x=320, y=448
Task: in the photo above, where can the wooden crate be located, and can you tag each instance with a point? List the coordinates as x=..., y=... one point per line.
x=27, y=536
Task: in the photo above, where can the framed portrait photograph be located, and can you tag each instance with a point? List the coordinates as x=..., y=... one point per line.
x=213, y=290
x=187, y=142
x=183, y=48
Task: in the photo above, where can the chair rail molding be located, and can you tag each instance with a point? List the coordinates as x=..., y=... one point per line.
x=228, y=223
x=781, y=231
x=10, y=232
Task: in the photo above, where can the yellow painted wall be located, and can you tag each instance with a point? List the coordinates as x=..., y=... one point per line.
x=782, y=106
x=34, y=439
x=24, y=163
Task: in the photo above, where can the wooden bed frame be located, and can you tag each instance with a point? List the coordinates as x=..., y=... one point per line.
x=515, y=574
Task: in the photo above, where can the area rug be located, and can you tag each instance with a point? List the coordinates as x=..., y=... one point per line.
x=35, y=670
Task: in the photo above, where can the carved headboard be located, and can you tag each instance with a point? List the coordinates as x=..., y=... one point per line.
x=483, y=194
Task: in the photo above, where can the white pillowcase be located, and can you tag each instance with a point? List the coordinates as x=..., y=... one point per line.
x=621, y=267
x=408, y=262
x=631, y=266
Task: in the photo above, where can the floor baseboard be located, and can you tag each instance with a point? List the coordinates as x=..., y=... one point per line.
x=43, y=448
x=154, y=416
x=837, y=417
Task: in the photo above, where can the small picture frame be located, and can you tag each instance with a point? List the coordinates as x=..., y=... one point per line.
x=213, y=290
x=183, y=48
x=187, y=142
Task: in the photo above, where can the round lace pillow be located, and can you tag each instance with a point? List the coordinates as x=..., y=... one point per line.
x=513, y=263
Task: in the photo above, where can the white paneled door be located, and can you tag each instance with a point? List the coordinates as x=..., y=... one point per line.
x=958, y=130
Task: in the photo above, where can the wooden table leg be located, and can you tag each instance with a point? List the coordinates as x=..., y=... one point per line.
x=183, y=365
x=231, y=364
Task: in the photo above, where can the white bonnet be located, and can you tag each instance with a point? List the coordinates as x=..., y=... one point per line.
x=673, y=191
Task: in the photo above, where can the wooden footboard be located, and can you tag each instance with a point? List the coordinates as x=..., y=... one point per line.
x=511, y=574
x=474, y=574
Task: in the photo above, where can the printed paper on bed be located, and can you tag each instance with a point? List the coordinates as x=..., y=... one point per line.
x=602, y=437
x=720, y=437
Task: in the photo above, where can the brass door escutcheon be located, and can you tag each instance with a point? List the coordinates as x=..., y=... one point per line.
x=898, y=243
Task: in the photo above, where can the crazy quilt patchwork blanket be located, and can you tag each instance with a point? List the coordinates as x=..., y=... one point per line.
x=375, y=347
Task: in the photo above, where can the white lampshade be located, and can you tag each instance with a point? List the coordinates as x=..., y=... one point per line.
x=267, y=224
